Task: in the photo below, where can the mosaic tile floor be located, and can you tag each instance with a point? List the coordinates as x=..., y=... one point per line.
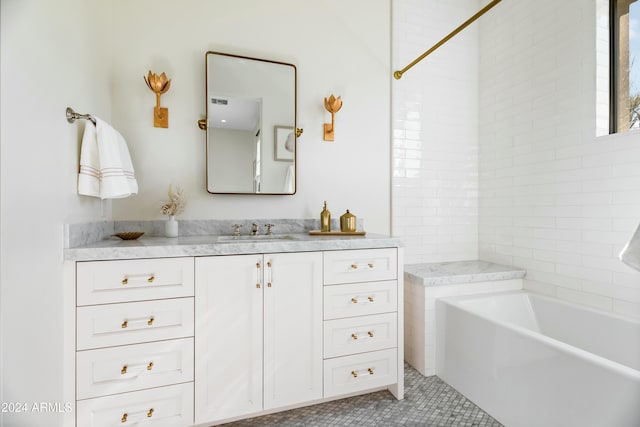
x=427, y=402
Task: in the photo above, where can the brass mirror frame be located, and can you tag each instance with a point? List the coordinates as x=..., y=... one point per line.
x=204, y=125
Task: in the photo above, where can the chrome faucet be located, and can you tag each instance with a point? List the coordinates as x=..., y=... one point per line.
x=254, y=229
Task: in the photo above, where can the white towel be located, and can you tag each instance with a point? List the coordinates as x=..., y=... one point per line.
x=289, y=179
x=106, y=170
x=630, y=255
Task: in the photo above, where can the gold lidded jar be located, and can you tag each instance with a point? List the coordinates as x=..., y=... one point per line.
x=348, y=222
x=325, y=219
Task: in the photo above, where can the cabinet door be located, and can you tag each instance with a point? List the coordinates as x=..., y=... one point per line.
x=292, y=328
x=228, y=341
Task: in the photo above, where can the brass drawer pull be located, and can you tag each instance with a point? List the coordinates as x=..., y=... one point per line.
x=355, y=266
x=150, y=279
x=354, y=374
x=354, y=336
x=125, y=368
x=125, y=324
x=125, y=416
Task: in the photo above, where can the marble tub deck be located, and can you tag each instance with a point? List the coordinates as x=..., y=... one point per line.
x=457, y=272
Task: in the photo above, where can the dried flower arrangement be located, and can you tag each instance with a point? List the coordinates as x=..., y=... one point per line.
x=176, y=202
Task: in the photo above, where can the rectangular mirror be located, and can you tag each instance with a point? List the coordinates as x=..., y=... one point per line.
x=250, y=124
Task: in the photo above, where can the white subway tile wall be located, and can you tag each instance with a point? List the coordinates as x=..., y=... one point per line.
x=555, y=198
x=500, y=149
x=435, y=132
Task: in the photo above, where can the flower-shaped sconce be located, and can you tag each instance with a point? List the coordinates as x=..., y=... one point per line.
x=333, y=105
x=159, y=85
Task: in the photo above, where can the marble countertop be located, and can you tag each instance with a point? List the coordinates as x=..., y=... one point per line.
x=455, y=272
x=204, y=245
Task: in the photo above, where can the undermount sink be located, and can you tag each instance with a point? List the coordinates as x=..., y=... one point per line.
x=257, y=238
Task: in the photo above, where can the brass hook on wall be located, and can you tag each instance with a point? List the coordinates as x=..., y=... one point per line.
x=333, y=105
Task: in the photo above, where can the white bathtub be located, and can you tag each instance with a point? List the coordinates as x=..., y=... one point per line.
x=530, y=360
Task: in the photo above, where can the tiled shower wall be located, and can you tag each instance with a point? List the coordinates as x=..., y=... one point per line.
x=496, y=152
x=555, y=199
x=435, y=131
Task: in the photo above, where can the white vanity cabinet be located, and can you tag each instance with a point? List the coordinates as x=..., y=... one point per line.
x=187, y=334
x=258, y=333
x=134, y=342
x=362, y=350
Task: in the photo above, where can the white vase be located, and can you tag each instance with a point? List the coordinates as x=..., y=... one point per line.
x=171, y=227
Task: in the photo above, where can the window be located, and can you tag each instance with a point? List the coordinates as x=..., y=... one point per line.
x=625, y=65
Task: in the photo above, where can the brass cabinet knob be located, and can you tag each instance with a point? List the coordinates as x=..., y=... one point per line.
x=269, y=264
x=370, y=299
x=150, y=321
x=354, y=374
x=354, y=266
x=125, y=324
x=370, y=265
x=370, y=333
x=354, y=300
x=123, y=370
x=124, y=282
x=151, y=279
x=124, y=418
x=150, y=366
x=370, y=371
x=354, y=336
x=150, y=413
x=258, y=285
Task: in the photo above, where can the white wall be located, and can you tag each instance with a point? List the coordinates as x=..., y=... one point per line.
x=335, y=49
x=53, y=55
x=554, y=198
x=435, y=132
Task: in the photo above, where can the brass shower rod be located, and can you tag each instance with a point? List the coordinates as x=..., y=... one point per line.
x=398, y=74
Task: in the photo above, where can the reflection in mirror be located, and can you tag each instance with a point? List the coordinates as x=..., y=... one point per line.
x=251, y=118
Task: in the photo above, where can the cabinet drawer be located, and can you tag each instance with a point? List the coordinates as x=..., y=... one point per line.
x=135, y=367
x=361, y=265
x=359, y=372
x=101, y=282
x=360, y=334
x=170, y=406
x=360, y=299
x=135, y=322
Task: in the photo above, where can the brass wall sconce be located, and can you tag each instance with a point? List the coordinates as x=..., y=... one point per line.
x=159, y=85
x=333, y=105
